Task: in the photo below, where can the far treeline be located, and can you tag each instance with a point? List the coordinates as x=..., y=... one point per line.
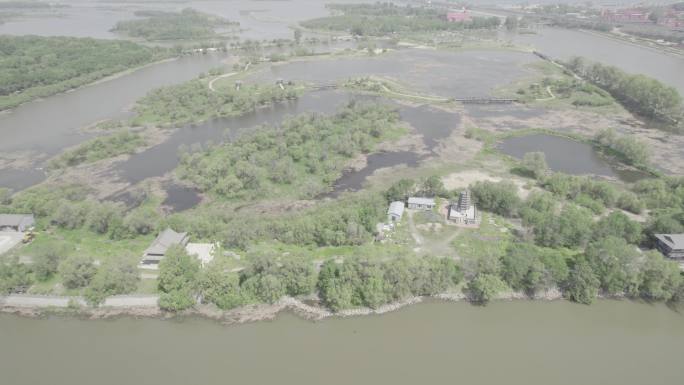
x=188, y=24
x=640, y=94
x=32, y=66
x=382, y=19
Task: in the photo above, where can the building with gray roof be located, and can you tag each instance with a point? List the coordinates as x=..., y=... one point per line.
x=157, y=250
x=421, y=203
x=16, y=222
x=671, y=245
x=395, y=211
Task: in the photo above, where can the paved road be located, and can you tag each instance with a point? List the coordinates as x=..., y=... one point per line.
x=39, y=301
x=9, y=239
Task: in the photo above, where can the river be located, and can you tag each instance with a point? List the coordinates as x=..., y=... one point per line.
x=522, y=342
x=563, y=44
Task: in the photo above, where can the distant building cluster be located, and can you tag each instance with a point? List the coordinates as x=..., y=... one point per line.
x=671, y=18
x=458, y=16
x=627, y=15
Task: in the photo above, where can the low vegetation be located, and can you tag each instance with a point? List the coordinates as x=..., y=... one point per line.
x=33, y=67
x=194, y=101
x=576, y=92
x=300, y=159
x=638, y=93
x=382, y=19
x=123, y=142
x=185, y=25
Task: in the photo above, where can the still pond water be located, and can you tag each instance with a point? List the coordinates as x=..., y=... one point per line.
x=530, y=343
x=568, y=156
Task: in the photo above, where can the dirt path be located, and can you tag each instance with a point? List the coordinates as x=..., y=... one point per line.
x=432, y=99
x=551, y=95
x=412, y=228
x=211, y=83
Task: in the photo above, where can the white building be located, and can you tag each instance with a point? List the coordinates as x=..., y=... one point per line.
x=395, y=212
x=420, y=203
x=204, y=252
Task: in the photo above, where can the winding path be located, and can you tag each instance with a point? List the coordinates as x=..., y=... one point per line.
x=211, y=83
x=551, y=95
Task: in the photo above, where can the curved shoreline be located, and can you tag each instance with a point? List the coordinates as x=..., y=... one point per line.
x=106, y=78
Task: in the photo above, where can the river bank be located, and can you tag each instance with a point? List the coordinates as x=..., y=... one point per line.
x=146, y=307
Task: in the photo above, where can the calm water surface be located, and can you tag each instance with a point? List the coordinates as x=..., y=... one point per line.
x=567, y=155
x=530, y=343
x=563, y=44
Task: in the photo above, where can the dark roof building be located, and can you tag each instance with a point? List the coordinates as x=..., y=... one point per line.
x=671, y=245
x=16, y=222
x=161, y=244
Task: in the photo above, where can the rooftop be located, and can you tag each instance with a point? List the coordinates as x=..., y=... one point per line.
x=675, y=241
x=166, y=239
x=421, y=201
x=16, y=220
x=396, y=208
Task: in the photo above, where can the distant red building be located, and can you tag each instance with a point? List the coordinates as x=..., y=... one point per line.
x=629, y=15
x=458, y=16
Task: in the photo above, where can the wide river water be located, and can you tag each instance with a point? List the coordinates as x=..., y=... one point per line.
x=530, y=343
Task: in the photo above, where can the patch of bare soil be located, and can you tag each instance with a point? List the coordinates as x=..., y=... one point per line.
x=463, y=179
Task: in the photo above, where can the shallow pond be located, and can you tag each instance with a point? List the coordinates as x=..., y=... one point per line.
x=180, y=198
x=568, y=156
x=443, y=73
x=520, y=342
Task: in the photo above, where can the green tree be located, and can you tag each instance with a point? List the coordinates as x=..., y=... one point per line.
x=661, y=278
x=77, y=271
x=500, y=198
x=221, y=287
x=118, y=276
x=535, y=164
x=178, y=279
x=14, y=276
x=617, y=265
x=617, y=224
x=522, y=268
x=264, y=287
x=102, y=216
x=485, y=287
x=433, y=186
x=47, y=258
x=400, y=190
x=582, y=284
